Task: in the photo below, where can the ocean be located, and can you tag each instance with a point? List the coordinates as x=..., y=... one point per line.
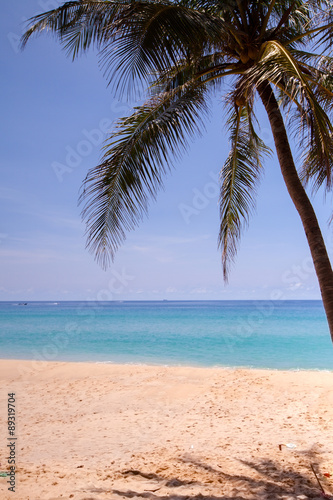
x=283, y=335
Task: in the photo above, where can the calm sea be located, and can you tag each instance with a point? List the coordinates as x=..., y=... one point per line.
x=261, y=334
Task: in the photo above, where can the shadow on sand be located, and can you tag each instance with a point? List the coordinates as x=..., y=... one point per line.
x=272, y=483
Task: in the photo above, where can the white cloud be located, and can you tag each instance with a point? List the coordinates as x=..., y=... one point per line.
x=199, y=290
x=295, y=286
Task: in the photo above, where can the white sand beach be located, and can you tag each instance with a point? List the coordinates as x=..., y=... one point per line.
x=101, y=431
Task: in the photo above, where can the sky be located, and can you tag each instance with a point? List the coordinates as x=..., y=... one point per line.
x=55, y=116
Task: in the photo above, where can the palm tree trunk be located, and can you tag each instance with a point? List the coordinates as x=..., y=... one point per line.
x=301, y=201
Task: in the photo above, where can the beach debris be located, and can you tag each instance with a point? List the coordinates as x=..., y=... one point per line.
x=133, y=472
x=323, y=494
x=290, y=446
x=3, y=474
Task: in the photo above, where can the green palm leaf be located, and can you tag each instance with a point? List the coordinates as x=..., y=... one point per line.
x=135, y=39
x=240, y=177
x=181, y=50
x=278, y=66
x=116, y=192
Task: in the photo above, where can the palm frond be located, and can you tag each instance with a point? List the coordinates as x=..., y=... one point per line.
x=314, y=168
x=240, y=176
x=135, y=39
x=116, y=192
x=208, y=70
x=79, y=23
x=180, y=50
x=325, y=22
x=278, y=66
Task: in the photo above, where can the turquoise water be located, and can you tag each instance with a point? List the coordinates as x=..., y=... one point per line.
x=261, y=334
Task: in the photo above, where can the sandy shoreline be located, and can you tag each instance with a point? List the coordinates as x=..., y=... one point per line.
x=102, y=431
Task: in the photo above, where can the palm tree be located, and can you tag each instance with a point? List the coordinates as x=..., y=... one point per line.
x=181, y=52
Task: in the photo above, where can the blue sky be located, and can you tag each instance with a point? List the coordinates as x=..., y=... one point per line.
x=54, y=117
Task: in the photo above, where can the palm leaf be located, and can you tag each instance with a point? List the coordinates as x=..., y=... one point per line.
x=78, y=24
x=155, y=37
x=278, y=66
x=240, y=176
x=116, y=192
x=181, y=49
x=135, y=39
